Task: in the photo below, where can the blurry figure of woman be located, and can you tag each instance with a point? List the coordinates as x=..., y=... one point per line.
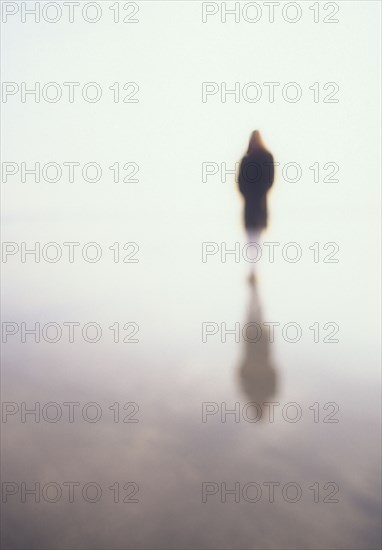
x=256, y=175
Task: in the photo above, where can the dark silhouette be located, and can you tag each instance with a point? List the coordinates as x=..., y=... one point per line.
x=258, y=377
x=255, y=179
x=256, y=175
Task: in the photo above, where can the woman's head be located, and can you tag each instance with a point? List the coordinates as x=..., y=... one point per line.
x=255, y=142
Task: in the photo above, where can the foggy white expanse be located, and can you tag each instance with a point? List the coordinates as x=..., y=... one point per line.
x=170, y=293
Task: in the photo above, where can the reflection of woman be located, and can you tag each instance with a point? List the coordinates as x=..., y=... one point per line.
x=258, y=376
x=255, y=178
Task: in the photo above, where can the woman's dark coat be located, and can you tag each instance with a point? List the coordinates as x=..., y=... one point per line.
x=255, y=178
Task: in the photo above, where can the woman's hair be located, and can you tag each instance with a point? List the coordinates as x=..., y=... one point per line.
x=255, y=143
